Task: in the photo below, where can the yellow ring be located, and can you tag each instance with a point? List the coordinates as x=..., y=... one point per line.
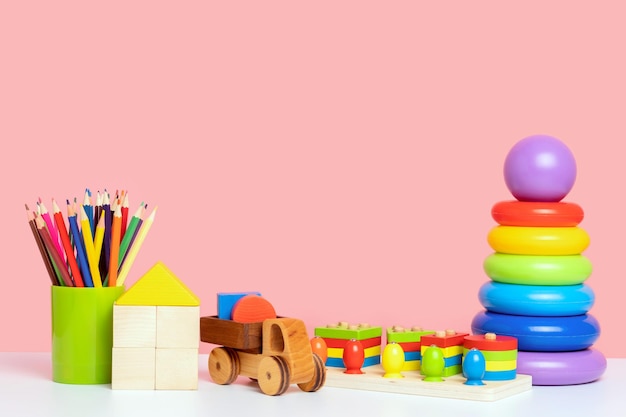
x=518, y=240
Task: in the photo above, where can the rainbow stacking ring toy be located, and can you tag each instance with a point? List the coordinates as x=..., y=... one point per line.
x=537, y=213
x=542, y=334
x=536, y=300
x=537, y=269
x=538, y=240
x=562, y=368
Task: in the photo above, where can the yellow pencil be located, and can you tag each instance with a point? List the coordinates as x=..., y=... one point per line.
x=134, y=249
x=89, y=248
x=98, y=239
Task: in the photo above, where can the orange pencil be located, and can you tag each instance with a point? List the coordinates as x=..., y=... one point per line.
x=40, y=245
x=67, y=245
x=116, y=228
x=54, y=254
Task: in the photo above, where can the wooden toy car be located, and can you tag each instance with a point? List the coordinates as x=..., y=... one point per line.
x=275, y=353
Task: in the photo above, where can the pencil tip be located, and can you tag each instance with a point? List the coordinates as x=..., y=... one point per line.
x=26, y=205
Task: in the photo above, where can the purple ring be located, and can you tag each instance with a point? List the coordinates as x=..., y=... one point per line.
x=562, y=368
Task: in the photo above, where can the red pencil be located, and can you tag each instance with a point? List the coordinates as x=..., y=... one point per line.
x=56, y=257
x=124, y=214
x=42, y=249
x=67, y=245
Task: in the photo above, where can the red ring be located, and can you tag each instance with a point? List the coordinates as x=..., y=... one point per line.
x=538, y=214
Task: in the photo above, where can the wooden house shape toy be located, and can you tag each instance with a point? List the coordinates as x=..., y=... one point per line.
x=156, y=334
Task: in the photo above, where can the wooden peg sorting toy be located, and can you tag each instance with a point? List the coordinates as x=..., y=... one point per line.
x=433, y=364
x=474, y=366
x=393, y=360
x=353, y=356
x=319, y=347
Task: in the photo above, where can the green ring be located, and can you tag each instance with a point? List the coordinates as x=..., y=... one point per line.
x=537, y=269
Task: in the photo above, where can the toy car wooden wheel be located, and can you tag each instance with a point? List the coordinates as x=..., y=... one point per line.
x=319, y=376
x=273, y=375
x=224, y=365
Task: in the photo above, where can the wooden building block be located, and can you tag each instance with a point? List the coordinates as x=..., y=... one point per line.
x=177, y=327
x=133, y=368
x=346, y=331
x=227, y=300
x=244, y=336
x=159, y=286
x=176, y=369
x=134, y=326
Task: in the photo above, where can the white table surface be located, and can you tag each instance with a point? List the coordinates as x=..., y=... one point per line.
x=26, y=389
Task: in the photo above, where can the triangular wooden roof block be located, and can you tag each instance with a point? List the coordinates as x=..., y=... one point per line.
x=158, y=287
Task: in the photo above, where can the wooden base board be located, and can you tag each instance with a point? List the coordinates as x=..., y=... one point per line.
x=413, y=383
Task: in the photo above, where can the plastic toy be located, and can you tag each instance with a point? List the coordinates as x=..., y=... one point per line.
x=563, y=368
x=537, y=269
x=474, y=367
x=542, y=334
x=536, y=300
x=451, y=344
x=538, y=240
x=537, y=213
x=540, y=168
x=155, y=334
x=409, y=340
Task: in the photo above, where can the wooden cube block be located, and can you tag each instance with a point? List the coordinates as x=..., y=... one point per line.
x=134, y=326
x=133, y=368
x=178, y=327
x=176, y=369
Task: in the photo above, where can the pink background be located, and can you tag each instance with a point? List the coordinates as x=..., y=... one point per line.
x=340, y=157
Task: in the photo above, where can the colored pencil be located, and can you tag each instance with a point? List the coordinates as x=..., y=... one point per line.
x=108, y=218
x=98, y=239
x=97, y=209
x=89, y=249
x=42, y=250
x=81, y=256
x=54, y=234
x=131, y=232
x=54, y=254
x=134, y=249
x=116, y=228
x=67, y=245
x=89, y=210
x=125, y=208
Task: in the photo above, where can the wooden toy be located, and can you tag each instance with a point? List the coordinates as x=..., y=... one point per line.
x=226, y=301
x=336, y=336
x=474, y=367
x=353, y=357
x=433, y=363
x=393, y=360
x=155, y=334
x=413, y=384
x=319, y=347
x=500, y=354
x=451, y=344
x=275, y=353
x=563, y=368
x=252, y=308
x=409, y=340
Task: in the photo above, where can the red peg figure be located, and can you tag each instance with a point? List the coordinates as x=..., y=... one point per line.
x=353, y=357
x=393, y=360
x=319, y=347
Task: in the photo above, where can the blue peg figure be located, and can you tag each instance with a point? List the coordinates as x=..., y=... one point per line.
x=474, y=367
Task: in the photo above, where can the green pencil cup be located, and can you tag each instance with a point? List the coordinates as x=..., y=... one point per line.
x=82, y=334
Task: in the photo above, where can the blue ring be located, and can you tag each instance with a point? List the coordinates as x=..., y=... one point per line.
x=536, y=300
x=541, y=334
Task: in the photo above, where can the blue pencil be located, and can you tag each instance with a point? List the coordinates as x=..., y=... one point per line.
x=80, y=248
x=89, y=210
